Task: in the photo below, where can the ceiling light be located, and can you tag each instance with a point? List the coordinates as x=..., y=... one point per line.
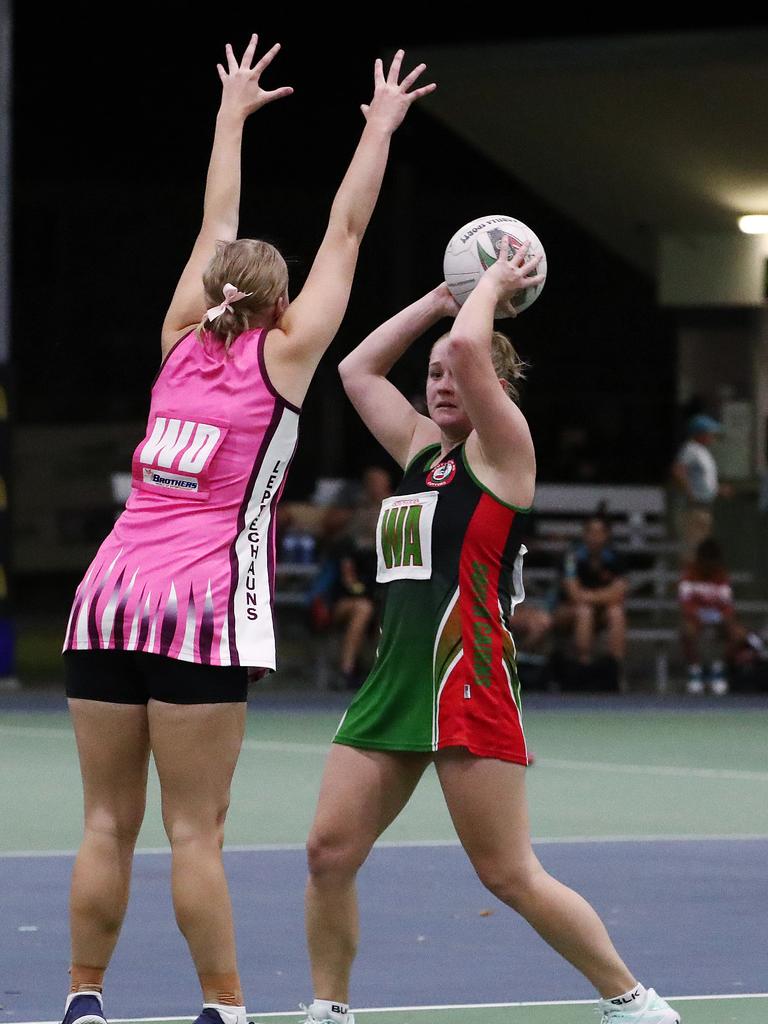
x=754, y=224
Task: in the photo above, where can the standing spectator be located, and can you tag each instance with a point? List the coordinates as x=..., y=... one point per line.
x=706, y=599
x=594, y=588
x=694, y=473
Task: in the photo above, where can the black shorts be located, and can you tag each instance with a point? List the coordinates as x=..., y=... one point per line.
x=133, y=677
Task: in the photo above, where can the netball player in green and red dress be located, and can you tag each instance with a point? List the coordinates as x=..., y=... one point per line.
x=444, y=688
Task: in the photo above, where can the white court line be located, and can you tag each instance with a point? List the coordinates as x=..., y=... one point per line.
x=276, y=746
x=613, y=767
x=416, y=1009
x=404, y=844
x=654, y=769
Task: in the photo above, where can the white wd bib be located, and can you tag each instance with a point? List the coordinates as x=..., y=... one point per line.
x=404, y=537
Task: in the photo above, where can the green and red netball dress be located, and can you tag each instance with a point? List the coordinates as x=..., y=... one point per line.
x=449, y=552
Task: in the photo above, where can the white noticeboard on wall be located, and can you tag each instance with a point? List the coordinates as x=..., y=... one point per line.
x=733, y=449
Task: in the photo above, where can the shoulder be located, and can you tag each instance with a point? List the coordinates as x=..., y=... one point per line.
x=178, y=349
x=513, y=484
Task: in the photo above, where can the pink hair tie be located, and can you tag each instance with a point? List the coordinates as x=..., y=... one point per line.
x=231, y=294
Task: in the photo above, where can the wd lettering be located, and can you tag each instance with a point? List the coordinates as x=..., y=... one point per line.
x=400, y=538
x=189, y=442
x=176, y=457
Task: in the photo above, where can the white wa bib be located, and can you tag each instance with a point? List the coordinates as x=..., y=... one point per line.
x=404, y=537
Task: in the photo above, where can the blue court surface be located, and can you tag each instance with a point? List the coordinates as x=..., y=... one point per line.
x=430, y=933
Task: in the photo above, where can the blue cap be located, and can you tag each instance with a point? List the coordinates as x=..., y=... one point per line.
x=703, y=424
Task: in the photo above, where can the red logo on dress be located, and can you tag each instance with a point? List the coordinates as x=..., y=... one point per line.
x=442, y=474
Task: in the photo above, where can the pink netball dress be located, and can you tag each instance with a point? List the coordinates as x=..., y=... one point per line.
x=188, y=570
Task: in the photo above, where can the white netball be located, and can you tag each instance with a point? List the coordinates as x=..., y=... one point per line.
x=475, y=247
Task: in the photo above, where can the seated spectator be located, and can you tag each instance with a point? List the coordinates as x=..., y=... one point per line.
x=594, y=590
x=530, y=624
x=706, y=600
x=348, y=598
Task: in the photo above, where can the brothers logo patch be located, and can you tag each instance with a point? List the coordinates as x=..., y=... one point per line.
x=174, y=482
x=442, y=474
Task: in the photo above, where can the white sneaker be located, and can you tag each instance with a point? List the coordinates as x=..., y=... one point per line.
x=317, y=1013
x=654, y=1010
x=719, y=686
x=694, y=684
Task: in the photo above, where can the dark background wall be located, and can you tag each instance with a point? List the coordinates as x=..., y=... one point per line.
x=113, y=122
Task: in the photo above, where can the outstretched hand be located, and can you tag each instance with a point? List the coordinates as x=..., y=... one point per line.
x=391, y=99
x=510, y=275
x=241, y=90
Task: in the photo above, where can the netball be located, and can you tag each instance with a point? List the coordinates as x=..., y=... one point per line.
x=475, y=247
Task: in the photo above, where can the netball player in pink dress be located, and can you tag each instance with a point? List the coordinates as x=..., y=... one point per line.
x=176, y=606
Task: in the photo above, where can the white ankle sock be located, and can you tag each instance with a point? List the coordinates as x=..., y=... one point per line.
x=631, y=1001
x=86, y=992
x=329, y=1009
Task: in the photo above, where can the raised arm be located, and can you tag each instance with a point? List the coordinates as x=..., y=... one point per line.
x=310, y=323
x=389, y=416
x=241, y=95
x=502, y=430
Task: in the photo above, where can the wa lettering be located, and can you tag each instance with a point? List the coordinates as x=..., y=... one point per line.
x=401, y=536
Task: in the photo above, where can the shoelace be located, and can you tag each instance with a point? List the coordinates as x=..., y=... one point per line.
x=309, y=1019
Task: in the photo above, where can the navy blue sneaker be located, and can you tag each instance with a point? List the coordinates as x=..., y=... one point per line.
x=221, y=1015
x=84, y=1008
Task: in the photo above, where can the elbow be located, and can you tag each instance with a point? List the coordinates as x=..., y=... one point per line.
x=350, y=375
x=346, y=369
x=344, y=229
x=460, y=348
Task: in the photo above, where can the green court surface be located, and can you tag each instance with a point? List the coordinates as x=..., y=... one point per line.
x=692, y=1011
x=709, y=1010
x=640, y=773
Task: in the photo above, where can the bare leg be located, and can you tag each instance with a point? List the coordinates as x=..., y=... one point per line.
x=355, y=613
x=195, y=747
x=735, y=636
x=584, y=631
x=690, y=628
x=362, y=792
x=486, y=799
x=531, y=626
x=113, y=746
x=616, y=624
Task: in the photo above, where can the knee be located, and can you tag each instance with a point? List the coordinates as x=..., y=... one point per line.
x=584, y=613
x=185, y=825
x=333, y=857
x=513, y=884
x=362, y=610
x=119, y=825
